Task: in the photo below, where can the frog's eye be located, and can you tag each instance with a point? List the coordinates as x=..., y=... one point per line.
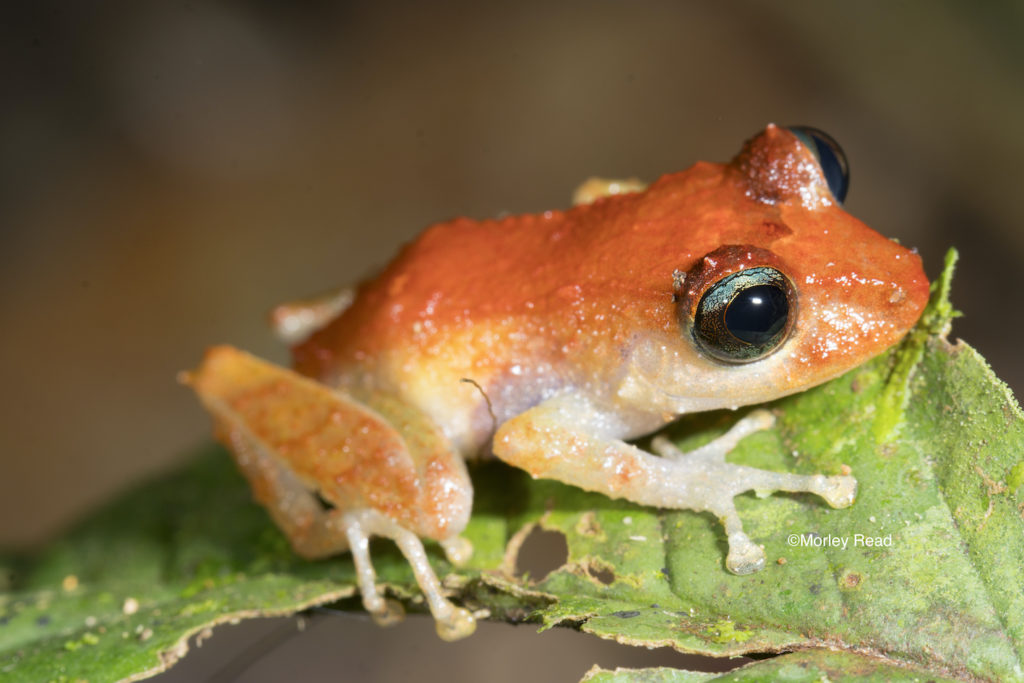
x=745, y=316
x=830, y=158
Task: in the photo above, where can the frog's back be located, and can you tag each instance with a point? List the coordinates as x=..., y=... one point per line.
x=531, y=304
x=534, y=279
x=467, y=277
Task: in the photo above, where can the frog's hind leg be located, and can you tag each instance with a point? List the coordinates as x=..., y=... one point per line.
x=316, y=532
x=310, y=528
x=313, y=531
x=453, y=622
x=292, y=437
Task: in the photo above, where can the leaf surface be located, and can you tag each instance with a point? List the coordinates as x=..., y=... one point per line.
x=923, y=574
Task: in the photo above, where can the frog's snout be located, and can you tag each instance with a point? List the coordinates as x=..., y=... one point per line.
x=910, y=290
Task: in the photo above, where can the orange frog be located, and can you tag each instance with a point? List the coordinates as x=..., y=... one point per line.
x=550, y=340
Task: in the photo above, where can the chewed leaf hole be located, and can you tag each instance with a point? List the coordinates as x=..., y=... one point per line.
x=541, y=553
x=600, y=572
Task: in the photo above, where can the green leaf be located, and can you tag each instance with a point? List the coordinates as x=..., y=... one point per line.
x=813, y=666
x=935, y=440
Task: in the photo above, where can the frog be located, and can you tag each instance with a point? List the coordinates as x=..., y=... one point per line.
x=551, y=341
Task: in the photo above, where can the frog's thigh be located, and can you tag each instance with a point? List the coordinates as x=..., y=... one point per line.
x=315, y=532
x=293, y=321
x=445, y=491
x=312, y=531
x=333, y=444
x=561, y=439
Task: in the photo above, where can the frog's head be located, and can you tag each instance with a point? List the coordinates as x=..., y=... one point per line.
x=802, y=293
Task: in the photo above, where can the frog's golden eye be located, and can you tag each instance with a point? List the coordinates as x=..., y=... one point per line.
x=745, y=316
x=830, y=158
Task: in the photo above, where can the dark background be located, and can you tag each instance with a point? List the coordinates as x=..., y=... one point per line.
x=168, y=171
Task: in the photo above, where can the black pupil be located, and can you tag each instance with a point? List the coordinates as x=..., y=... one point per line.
x=757, y=314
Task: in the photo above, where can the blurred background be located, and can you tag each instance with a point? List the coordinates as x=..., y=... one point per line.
x=170, y=170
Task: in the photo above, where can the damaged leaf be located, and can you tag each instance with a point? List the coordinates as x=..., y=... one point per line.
x=813, y=666
x=922, y=576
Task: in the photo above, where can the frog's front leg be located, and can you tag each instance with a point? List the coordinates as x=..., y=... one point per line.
x=294, y=321
x=567, y=438
x=593, y=189
x=386, y=469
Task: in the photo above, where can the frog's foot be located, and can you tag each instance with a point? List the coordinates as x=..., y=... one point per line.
x=755, y=421
x=452, y=622
x=726, y=481
x=457, y=549
x=839, y=491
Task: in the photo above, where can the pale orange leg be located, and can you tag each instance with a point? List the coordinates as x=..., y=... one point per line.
x=313, y=531
x=294, y=321
x=567, y=439
x=292, y=436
